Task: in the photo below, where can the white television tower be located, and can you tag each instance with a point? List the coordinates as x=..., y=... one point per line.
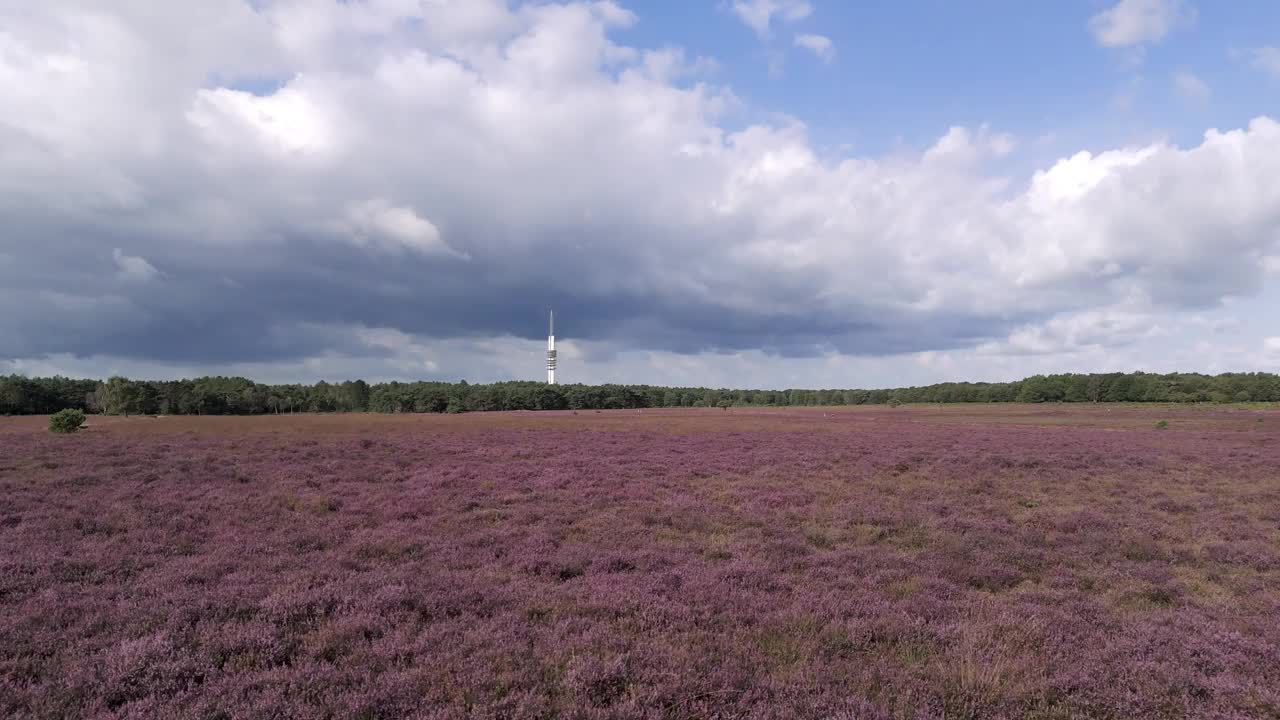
x=551, y=350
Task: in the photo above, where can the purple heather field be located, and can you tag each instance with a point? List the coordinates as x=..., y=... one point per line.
x=913, y=562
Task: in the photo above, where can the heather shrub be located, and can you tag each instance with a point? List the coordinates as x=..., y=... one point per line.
x=66, y=421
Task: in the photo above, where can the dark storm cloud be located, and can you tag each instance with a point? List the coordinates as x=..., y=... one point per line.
x=219, y=305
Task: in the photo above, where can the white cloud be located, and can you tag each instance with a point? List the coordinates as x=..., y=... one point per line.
x=1272, y=345
x=759, y=14
x=1191, y=88
x=962, y=146
x=291, y=121
x=1074, y=332
x=378, y=222
x=411, y=355
x=1139, y=22
x=1266, y=59
x=1218, y=325
x=129, y=267
x=819, y=45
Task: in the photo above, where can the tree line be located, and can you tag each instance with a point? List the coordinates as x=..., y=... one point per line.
x=21, y=395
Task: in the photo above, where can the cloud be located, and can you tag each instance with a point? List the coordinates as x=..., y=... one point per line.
x=759, y=14
x=819, y=45
x=1191, y=88
x=1219, y=326
x=133, y=268
x=1126, y=96
x=1266, y=59
x=379, y=223
x=1139, y=22
x=1077, y=331
x=448, y=181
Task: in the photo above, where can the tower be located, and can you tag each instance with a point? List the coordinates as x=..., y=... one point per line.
x=551, y=349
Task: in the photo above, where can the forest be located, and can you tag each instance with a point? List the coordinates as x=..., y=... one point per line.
x=20, y=395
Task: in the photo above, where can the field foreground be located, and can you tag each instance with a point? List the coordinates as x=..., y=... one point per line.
x=989, y=561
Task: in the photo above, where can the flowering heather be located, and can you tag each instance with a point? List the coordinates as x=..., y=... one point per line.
x=1017, y=562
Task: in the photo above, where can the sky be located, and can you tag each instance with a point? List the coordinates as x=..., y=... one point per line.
x=729, y=193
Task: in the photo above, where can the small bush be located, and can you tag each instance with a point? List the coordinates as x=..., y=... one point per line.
x=1162, y=425
x=569, y=572
x=66, y=421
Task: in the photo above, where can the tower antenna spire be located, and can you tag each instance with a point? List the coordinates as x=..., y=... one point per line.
x=551, y=349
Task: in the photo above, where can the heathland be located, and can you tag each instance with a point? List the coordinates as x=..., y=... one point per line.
x=915, y=562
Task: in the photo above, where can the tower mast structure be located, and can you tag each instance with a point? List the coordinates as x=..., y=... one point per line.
x=551, y=349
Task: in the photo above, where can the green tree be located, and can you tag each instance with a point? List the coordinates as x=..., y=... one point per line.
x=119, y=396
x=13, y=396
x=66, y=421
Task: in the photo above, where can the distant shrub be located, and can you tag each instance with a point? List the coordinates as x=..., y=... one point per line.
x=1152, y=597
x=569, y=572
x=288, y=502
x=1162, y=425
x=895, y=402
x=66, y=421
x=821, y=537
